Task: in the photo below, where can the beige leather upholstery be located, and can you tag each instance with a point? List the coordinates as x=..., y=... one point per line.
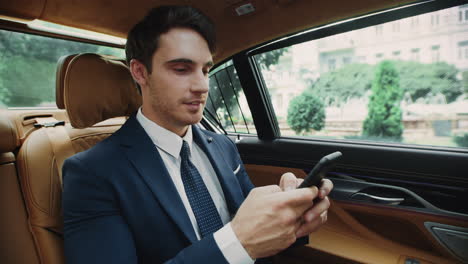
x=42, y=189
x=62, y=66
x=16, y=241
x=8, y=136
x=95, y=88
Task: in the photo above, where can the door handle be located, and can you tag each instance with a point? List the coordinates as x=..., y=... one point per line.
x=377, y=199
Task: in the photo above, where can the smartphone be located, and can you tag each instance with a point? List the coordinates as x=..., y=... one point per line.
x=315, y=176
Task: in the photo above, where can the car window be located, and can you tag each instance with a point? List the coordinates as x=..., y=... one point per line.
x=28, y=64
x=226, y=105
x=404, y=81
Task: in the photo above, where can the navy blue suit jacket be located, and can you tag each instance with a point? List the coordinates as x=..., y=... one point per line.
x=121, y=206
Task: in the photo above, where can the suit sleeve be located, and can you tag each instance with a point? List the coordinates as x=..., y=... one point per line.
x=96, y=232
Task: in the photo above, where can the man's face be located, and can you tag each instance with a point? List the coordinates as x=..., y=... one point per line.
x=176, y=90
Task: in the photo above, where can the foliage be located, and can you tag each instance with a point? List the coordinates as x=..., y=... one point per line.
x=28, y=63
x=417, y=79
x=465, y=82
x=4, y=93
x=306, y=112
x=266, y=59
x=461, y=140
x=421, y=79
x=350, y=81
x=385, y=118
x=28, y=82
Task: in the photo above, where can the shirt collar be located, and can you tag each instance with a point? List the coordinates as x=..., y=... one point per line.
x=164, y=139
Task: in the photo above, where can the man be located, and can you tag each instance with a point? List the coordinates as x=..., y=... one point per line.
x=161, y=189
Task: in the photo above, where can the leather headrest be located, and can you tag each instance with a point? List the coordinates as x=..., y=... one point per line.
x=98, y=88
x=8, y=135
x=62, y=65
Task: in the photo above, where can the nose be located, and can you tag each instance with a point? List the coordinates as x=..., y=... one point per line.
x=200, y=83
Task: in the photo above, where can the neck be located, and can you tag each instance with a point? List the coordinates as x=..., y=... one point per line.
x=178, y=130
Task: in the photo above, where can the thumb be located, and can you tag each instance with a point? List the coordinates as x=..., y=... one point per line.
x=288, y=182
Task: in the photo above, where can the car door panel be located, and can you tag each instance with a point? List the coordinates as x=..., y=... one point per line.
x=360, y=227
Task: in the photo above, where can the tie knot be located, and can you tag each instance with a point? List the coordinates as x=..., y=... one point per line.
x=185, y=150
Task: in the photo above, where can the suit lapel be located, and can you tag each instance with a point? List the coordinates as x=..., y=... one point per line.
x=144, y=156
x=229, y=183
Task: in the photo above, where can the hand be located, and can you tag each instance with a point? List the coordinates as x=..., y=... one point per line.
x=316, y=216
x=269, y=218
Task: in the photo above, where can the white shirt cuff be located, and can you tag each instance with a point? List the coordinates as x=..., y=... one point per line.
x=230, y=246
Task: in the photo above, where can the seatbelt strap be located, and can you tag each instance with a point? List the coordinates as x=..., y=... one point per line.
x=59, y=140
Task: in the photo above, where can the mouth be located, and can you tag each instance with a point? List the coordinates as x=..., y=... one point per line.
x=194, y=102
x=194, y=105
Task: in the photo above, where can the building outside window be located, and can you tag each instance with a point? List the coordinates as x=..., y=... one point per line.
x=279, y=99
x=414, y=22
x=331, y=64
x=463, y=50
x=415, y=54
x=346, y=60
x=378, y=57
x=435, y=53
x=463, y=14
x=379, y=30
x=434, y=20
x=396, y=26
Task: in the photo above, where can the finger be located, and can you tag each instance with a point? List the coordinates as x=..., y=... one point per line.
x=298, y=200
x=317, y=209
x=325, y=188
x=299, y=181
x=288, y=181
x=309, y=227
x=324, y=217
x=266, y=189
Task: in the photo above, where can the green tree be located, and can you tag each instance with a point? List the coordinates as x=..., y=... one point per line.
x=28, y=63
x=266, y=59
x=4, y=93
x=461, y=140
x=350, y=81
x=418, y=79
x=305, y=112
x=465, y=83
x=421, y=79
x=385, y=118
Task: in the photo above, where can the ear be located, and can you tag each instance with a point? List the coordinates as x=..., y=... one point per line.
x=139, y=72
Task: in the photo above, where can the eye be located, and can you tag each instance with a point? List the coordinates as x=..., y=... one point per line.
x=181, y=70
x=206, y=71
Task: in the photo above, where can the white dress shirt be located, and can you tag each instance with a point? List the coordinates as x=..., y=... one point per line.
x=169, y=145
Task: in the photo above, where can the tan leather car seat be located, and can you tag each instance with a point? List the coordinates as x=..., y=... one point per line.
x=62, y=65
x=95, y=89
x=16, y=241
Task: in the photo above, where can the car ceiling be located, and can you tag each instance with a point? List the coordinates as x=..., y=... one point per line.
x=271, y=19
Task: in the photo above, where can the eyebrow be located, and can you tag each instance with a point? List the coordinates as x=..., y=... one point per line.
x=189, y=61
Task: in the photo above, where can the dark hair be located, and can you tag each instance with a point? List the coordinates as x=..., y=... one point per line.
x=143, y=38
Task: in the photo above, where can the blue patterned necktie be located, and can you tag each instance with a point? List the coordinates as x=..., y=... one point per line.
x=203, y=207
